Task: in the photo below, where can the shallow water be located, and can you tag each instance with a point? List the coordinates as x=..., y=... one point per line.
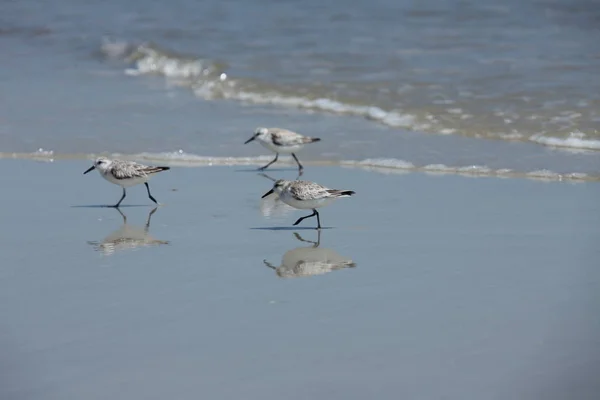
x=372, y=79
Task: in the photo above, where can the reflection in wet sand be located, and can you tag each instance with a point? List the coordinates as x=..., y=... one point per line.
x=308, y=261
x=127, y=237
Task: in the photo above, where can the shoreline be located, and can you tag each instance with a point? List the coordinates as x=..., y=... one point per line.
x=384, y=166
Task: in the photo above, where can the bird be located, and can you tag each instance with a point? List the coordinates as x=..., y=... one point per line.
x=305, y=195
x=281, y=140
x=125, y=174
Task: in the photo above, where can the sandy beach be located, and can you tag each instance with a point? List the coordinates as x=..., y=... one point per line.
x=422, y=287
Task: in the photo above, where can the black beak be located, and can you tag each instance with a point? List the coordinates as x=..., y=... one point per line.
x=89, y=169
x=266, y=194
x=249, y=140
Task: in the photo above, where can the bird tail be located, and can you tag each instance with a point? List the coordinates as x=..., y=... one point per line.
x=311, y=140
x=342, y=193
x=153, y=170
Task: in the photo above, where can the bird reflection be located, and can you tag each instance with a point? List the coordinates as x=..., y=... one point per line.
x=272, y=206
x=127, y=237
x=308, y=261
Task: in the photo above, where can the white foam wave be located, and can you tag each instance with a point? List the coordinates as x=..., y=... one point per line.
x=183, y=159
x=401, y=166
x=39, y=155
x=208, y=80
x=384, y=165
x=150, y=59
x=394, y=118
x=576, y=140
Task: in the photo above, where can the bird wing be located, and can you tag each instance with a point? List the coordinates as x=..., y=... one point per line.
x=303, y=190
x=128, y=170
x=283, y=137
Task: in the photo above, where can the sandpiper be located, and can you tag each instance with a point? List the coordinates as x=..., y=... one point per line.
x=125, y=174
x=306, y=195
x=281, y=141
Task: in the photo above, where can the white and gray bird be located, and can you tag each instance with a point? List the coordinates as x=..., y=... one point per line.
x=305, y=195
x=125, y=174
x=281, y=141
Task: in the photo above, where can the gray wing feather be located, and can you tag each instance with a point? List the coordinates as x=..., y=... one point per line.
x=283, y=137
x=304, y=190
x=130, y=169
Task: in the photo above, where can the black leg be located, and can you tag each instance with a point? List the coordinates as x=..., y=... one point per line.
x=308, y=216
x=122, y=197
x=300, y=167
x=149, y=195
x=266, y=166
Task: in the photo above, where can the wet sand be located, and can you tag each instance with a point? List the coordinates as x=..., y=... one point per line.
x=422, y=287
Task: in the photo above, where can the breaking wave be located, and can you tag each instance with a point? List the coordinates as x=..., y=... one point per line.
x=380, y=165
x=209, y=80
x=576, y=140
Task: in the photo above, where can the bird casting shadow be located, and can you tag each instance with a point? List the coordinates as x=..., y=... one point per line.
x=112, y=206
x=127, y=237
x=270, y=169
x=272, y=206
x=309, y=261
x=264, y=175
x=289, y=228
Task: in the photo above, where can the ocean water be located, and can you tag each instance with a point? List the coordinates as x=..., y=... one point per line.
x=447, y=86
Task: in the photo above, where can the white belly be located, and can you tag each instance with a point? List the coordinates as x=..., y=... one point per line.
x=305, y=204
x=282, y=149
x=124, y=182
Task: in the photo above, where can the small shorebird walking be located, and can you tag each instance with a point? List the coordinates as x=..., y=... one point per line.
x=305, y=195
x=125, y=174
x=281, y=141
